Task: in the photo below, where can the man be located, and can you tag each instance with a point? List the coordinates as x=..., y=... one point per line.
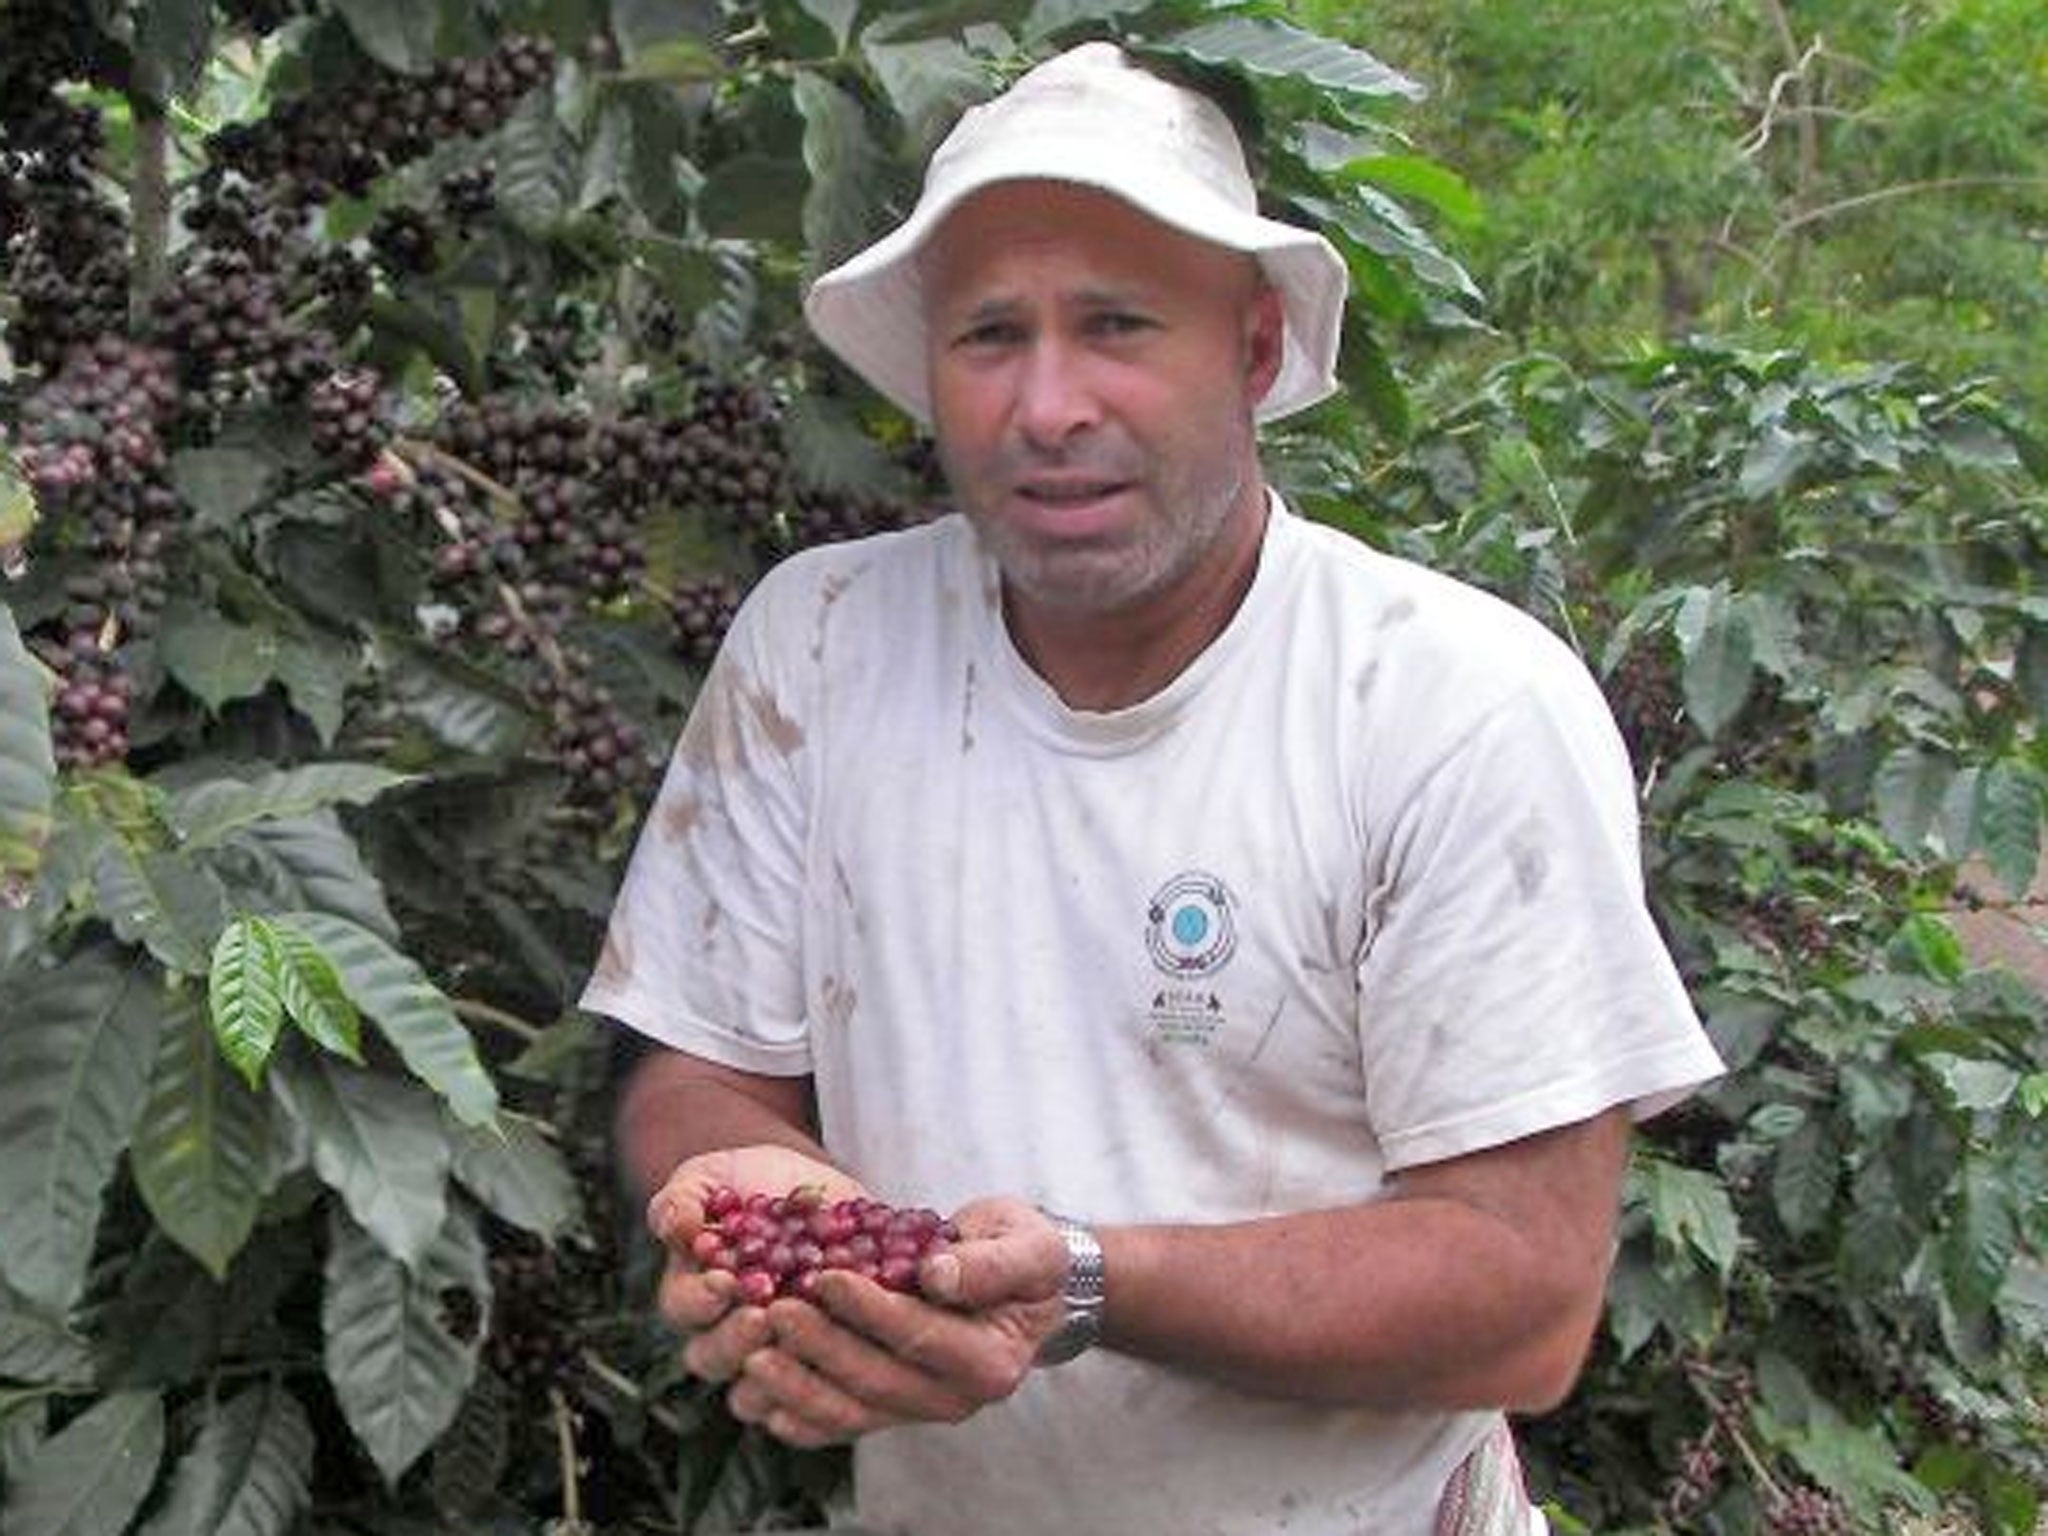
x=1132, y=849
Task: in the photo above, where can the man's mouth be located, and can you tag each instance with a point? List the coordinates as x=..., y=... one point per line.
x=1062, y=493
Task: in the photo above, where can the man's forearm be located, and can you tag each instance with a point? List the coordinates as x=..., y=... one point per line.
x=676, y=1106
x=1430, y=1298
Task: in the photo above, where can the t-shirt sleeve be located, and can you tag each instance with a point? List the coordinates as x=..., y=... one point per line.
x=1511, y=978
x=703, y=951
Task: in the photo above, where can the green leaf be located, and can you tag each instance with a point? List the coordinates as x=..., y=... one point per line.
x=249, y=1471
x=207, y=812
x=311, y=991
x=1974, y=1085
x=216, y=659
x=410, y=1011
x=38, y=1347
x=850, y=174
x=1980, y=1245
x=28, y=766
x=376, y=1141
x=90, y=1478
x=519, y=1176
x=679, y=61
x=175, y=37
x=399, y=34
x=244, y=996
x=641, y=25
x=755, y=197
x=18, y=515
x=1269, y=47
x=929, y=83
x=1859, y=1464
x=202, y=1150
x=74, y=1074
x=1688, y=1209
x=608, y=158
x=463, y=706
x=536, y=170
x=316, y=679
x=471, y=1459
x=166, y=901
x=1422, y=180
x=1908, y=789
x=2009, y=822
x=397, y=1370
x=1804, y=1175
x=1719, y=664
x=221, y=485
x=310, y=861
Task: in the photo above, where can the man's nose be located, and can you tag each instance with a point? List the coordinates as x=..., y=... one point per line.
x=1055, y=393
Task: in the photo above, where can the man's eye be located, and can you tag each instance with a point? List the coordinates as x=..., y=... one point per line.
x=993, y=333
x=1119, y=323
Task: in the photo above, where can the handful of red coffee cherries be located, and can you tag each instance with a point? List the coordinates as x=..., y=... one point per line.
x=778, y=1245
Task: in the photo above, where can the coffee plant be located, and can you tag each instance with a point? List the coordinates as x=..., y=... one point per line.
x=396, y=399
x=1814, y=596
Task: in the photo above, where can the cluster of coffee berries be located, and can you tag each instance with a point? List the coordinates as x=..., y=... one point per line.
x=403, y=240
x=778, y=1245
x=531, y=1341
x=1649, y=707
x=603, y=754
x=311, y=148
x=348, y=424
x=1806, y=1512
x=469, y=196
x=92, y=446
x=63, y=247
x=701, y=610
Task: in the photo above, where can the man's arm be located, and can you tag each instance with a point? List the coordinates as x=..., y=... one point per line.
x=1476, y=1283
x=676, y=1107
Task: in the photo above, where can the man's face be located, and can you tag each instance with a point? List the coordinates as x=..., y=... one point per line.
x=1093, y=379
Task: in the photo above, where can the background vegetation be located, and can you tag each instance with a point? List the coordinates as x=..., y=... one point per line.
x=398, y=397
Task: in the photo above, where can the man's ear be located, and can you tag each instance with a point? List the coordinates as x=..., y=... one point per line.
x=1265, y=325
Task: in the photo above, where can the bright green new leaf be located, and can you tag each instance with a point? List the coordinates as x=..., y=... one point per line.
x=311, y=991
x=243, y=994
x=408, y=1009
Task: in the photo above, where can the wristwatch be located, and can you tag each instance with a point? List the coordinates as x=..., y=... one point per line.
x=1082, y=1292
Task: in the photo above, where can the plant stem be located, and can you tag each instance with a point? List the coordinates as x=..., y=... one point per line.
x=149, y=191
x=565, y=1448
x=485, y=1013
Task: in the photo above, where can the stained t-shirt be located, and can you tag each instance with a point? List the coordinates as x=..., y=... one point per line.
x=1359, y=889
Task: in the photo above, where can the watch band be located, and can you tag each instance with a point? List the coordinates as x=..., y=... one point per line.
x=1083, y=1293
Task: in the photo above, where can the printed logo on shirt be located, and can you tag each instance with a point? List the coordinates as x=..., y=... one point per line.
x=1189, y=926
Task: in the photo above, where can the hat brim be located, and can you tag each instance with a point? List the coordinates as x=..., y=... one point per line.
x=870, y=308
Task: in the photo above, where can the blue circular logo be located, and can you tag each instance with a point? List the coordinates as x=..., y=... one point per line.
x=1190, y=929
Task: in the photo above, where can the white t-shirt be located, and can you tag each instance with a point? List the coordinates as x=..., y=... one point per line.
x=1360, y=889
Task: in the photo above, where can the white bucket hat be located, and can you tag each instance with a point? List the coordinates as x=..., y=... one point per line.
x=1094, y=117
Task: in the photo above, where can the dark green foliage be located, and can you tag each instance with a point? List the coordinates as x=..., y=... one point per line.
x=444, y=394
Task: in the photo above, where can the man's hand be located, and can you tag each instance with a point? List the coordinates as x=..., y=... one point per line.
x=864, y=1358
x=691, y=1297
